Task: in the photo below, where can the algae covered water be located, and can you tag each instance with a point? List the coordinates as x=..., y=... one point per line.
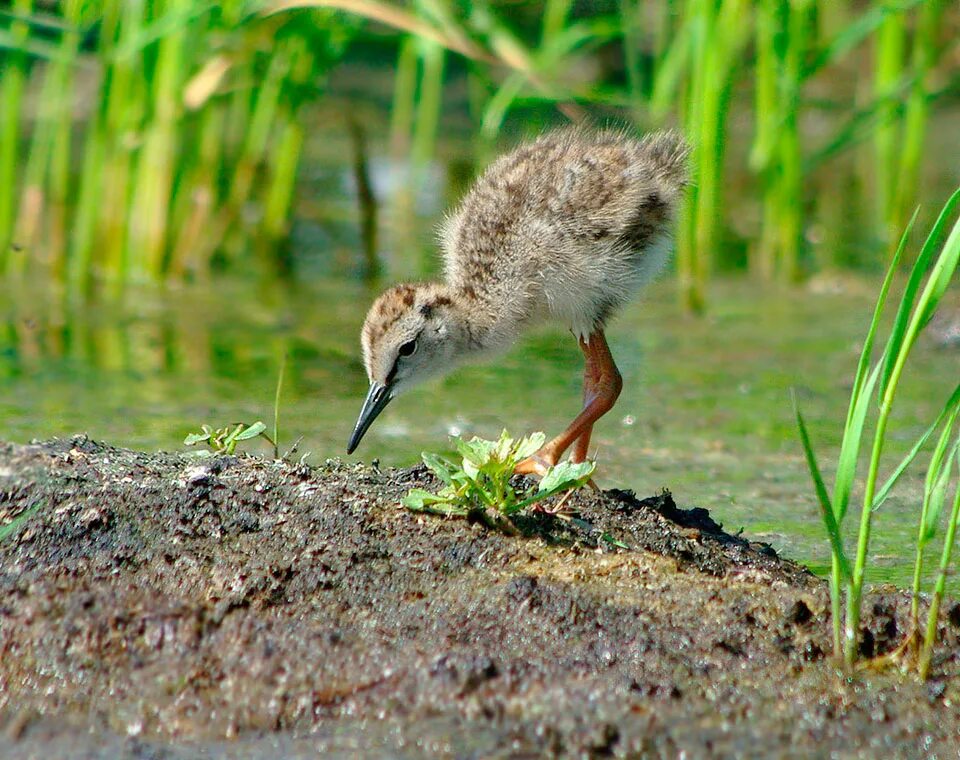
x=705, y=410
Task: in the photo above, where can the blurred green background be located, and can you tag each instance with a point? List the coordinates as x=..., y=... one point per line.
x=190, y=191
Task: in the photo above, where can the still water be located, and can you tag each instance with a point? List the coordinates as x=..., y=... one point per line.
x=705, y=410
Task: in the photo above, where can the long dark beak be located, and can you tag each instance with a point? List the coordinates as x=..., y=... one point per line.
x=377, y=399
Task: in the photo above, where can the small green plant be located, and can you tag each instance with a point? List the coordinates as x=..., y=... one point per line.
x=224, y=440
x=17, y=522
x=879, y=384
x=481, y=482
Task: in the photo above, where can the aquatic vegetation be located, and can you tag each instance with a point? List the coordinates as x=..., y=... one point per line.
x=191, y=114
x=186, y=154
x=879, y=384
x=481, y=482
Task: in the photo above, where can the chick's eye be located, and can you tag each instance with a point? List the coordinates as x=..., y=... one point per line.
x=408, y=348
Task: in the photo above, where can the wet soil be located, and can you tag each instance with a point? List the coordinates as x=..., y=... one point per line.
x=156, y=605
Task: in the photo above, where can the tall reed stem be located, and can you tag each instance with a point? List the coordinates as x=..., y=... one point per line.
x=889, y=69
x=11, y=95
x=924, y=57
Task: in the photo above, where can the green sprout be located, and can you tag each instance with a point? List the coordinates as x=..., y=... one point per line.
x=481, y=482
x=224, y=440
x=877, y=386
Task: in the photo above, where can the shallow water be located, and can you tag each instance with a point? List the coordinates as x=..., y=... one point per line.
x=705, y=410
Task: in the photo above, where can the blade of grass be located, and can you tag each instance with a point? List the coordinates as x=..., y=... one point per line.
x=926, y=655
x=936, y=464
x=953, y=403
x=823, y=498
x=900, y=345
x=901, y=322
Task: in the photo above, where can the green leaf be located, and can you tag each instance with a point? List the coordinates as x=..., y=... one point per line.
x=826, y=510
x=440, y=467
x=867, y=351
x=502, y=449
x=419, y=500
x=944, y=269
x=12, y=526
x=850, y=448
x=952, y=408
x=566, y=475
x=193, y=439
x=251, y=432
x=476, y=451
x=938, y=495
x=529, y=446
x=904, y=325
x=613, y=541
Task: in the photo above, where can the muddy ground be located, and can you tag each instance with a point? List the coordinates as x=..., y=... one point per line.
x=154, y=605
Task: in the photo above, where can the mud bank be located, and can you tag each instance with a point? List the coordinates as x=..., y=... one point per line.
x=153, y=605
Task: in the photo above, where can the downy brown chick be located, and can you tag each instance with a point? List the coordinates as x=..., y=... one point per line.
x=565, y=229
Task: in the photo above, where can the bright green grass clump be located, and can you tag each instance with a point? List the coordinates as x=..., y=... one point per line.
x=877, y=384
x=481, y=481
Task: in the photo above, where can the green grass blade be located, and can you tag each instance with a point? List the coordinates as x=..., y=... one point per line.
x=12, y=526
x=439, y=467
x=864, y=25
x=852, y=439
x=938, y=496
x=940, y=451
x=940, y=586
x=952, y=407
x=867, y=350
x=942, y=272
x=826, y=510
x=276, y=407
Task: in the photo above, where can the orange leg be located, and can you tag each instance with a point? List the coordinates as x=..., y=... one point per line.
x=601, y=387
x=591, y=379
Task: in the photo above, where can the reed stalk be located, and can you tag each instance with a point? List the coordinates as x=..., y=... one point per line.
x=631, y=22
x=889, y=70
x=85, y=223
x=153, y=184
x=62, y=133
x=46, y=178
x=197, y=198
x=429, y=104
x=404, y=97
x=718, y=35
x=923, y=59
x=285, y=156
x=11, y=95
x=125, y=104
x=783, y=38
x=261, y=119
x=766, y=123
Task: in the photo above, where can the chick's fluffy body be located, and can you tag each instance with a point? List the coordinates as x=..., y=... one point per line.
x=565, y=228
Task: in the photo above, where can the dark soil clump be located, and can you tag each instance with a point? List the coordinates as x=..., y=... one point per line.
x=154, y=605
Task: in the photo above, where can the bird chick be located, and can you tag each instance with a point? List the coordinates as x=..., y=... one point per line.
x=564, y=229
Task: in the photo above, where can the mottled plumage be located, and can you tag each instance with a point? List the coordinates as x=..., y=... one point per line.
x=566, y=228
